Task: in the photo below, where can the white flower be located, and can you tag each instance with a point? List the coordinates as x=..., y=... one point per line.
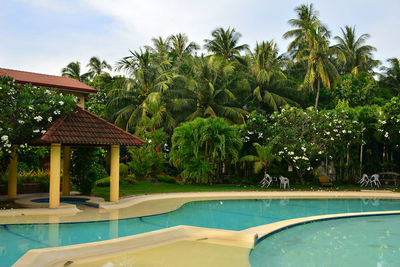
x=344, y=131
x=21, y=122
x=43, y=131
x=4, y=138
x=57, y=112
x=47, y=91
x=61, y=103
x=36, y=131
x=303, y=148
x=30, y=108
x=320, y=152
x=50, y=119
x=386, y=134
x=332, y=139
x=38, y=118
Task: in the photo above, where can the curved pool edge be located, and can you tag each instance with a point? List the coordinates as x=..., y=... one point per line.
x=248, y=238
x=153, y=204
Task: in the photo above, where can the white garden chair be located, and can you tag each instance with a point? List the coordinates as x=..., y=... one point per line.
x=283, y=182
x=365, y=180
x=375, y=180
x=266, y=181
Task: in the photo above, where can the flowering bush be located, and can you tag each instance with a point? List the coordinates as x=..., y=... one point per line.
x=28, y=111
x=389, y=123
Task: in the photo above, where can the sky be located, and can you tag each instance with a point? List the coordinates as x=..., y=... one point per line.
x=45, y=35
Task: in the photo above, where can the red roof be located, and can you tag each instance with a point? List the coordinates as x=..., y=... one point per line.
x=52, y=81
x=84, y=128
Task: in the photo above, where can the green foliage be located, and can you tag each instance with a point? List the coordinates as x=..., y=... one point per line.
x=198, y=147
x=264, y=158
x=104, y=182
x=166, y=179
x=123, y=169
x=27, y=112
x=358, y=89
x=144, y=162
x=86, y=170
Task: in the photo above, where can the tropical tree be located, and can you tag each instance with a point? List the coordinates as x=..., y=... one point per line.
x=391, y=76
x=73, y=70
x=320, y=67
x=180, y=45
x=267, y=71
x=353, y=54
x=305, y=22
x=96, y=66
x=225, y=43
x=264, y=158
x=200, y=147
x=208, y=93
x=161, y=47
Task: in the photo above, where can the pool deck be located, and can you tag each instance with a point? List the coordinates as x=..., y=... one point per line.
x=201, y=246
x=144, y=205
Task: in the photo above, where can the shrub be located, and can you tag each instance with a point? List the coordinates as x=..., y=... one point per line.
x=166, y=179
x=131, y=179
x=123, y=169
x=104, y=182
x=86, y=170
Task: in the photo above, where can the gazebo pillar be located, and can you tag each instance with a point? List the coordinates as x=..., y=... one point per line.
x=114, y=174
x=55, y=160
x=66, y=171
x=12, y=174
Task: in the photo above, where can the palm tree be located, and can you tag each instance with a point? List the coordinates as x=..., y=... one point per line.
x=354, y=54
x=180, y=45
x=307, y=18
x=264, y=158
x=161, y=47
x=139, y=65
x=207, y=93
x=319, y=60
x=225, y=43
x=311, y=44
x=267, y=70
x=96, y=66
x=73, y=70
x=391, y=76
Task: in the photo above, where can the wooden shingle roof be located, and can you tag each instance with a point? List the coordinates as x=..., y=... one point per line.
x=82, y=128
x=46, y=80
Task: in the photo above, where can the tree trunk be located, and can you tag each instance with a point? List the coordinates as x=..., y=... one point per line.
x=317, y=97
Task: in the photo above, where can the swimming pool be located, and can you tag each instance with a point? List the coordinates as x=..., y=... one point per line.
x=359, y=241
x=15, y=240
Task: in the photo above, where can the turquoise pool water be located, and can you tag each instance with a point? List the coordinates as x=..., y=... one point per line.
x=360, y=241
x=16, y=240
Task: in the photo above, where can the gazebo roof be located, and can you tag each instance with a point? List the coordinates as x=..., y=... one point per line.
x=83, y=128
x=46, y=80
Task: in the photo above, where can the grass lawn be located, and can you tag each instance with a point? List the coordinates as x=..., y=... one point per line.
x=149, y=188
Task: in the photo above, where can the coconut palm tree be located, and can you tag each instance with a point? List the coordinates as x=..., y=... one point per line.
x=73, y=70
x=303, y=24
x=161, y=47
x=311, y=45
x=207, y=93
x=264, y=158
x=225, y=43
x=96, y=66
x=320, y=67
x=267, y=71
x=391, y=76
x=180, y=45
x=355, y=55
x=139, y=65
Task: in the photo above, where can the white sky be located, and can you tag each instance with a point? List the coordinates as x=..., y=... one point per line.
x=45, y=35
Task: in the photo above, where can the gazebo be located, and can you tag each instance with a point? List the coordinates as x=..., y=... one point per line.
x=79, y=129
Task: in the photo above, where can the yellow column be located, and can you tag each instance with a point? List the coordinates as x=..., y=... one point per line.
x=12, y=174
x=66, y=173
x=55, y=160
x=114, y=174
